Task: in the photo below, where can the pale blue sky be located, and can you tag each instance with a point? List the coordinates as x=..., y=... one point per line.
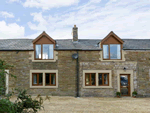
x=94, y=18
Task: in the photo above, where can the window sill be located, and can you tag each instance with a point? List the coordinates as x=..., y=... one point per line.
x=97, y=87
x=111, y=60
x=43, y=86
x=44, y=60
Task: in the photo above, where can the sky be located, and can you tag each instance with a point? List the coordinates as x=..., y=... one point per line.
x=129, y=19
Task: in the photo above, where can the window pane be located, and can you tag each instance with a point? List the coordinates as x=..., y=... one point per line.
x=87, y=79
x=40, y=78
x=93, y=78
x=34, y=78
x=100, y=79
x=105, y=78
x=47, y=51
x=51, y=51
x=38, y=51
x=115, y=51
x=124, y=80
x=53, y=79
x=47, y=79
x=105, y=52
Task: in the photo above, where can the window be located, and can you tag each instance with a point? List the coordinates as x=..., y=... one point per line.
x=105, y=52
x=112, y=51
x=38, y=51
x=43, y=78
x=90, y=79
x=97, y=79
x=47, y=51
x=103, y=79
x=44, y=51
x=37, y=79
x=50, y=79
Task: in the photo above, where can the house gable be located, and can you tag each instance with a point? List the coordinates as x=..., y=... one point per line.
x=44, y=38
x=41, y=40
x=111, y=38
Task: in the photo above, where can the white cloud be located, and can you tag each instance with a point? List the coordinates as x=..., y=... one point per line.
x=48, y=4
x=37, y=17
x=128, y=19
x=14, y=0
x=94, y=1
x=18, y=20
x=5, y=14
x=13, y=30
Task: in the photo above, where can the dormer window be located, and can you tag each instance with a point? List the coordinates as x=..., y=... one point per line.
x=46, y=53
x=44, y=47
x=112, y=47
x=112, y=51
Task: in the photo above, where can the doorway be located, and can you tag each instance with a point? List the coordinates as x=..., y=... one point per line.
x=125, y=84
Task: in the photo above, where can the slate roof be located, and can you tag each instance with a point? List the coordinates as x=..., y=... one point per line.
x=82, y=44
x=16, y=44
x=67, y=44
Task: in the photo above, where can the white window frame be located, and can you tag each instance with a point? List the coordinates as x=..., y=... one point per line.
x=97, y=71
x=43, y=71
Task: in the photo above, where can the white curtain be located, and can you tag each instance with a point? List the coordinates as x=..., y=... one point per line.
x=50, y=51
x=38, y=51
x=45, y=51
x=35, y=79
x=106, y=79
x=118, y=52
x=53, y=79
x=105, y=51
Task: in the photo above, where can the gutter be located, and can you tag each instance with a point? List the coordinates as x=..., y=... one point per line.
x=17, y=50
x=137, y=49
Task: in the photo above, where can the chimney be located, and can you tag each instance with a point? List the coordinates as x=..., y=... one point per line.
x=75, y=33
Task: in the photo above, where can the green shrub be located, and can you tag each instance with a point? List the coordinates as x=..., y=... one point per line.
x=6, y=106
x=134, y=93
x=23, y=103
x=118, y=93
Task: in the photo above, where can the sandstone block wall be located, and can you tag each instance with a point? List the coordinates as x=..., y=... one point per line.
x=66, y=66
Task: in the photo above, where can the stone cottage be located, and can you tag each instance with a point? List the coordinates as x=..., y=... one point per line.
x=78, y=67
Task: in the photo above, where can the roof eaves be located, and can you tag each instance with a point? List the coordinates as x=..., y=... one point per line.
x=135, y=49
x=16, y=49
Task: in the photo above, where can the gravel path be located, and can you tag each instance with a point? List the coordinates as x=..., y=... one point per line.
x=95, y=105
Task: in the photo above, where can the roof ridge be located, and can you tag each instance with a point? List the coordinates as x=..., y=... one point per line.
x=17, y=39
x=135, y=39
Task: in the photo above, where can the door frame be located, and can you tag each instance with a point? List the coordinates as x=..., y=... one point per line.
x=132, y=74
x=129, y=87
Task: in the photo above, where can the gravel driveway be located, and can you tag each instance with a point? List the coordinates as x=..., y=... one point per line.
x=96, y=105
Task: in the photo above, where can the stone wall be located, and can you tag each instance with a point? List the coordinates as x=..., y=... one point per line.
x=143, y=66
x=66, y=66
x=22, y=63
x=138, y=61
x=114, y=66
x=21, y=68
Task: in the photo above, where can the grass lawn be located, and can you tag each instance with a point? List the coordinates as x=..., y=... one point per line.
x=95, y=105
